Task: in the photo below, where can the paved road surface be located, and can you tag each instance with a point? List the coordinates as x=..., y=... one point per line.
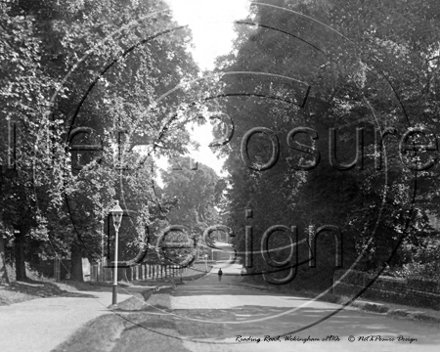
x=228, y=310
x=41, y=324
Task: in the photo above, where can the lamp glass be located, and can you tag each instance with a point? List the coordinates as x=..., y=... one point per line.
x=117, y=213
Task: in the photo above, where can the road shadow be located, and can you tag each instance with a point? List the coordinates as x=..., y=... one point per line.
x=254, y=320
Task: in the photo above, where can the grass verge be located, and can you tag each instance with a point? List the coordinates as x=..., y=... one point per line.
x=19, y=291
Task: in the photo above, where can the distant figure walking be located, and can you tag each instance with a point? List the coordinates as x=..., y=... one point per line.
x=220, y=273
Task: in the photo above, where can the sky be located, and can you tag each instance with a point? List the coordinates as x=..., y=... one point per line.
x=212, y=26
x=211, y=23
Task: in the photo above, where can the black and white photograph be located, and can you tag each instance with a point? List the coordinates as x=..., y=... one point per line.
x=219, y=175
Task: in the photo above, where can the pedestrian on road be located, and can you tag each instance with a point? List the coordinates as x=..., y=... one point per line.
x=220, y=273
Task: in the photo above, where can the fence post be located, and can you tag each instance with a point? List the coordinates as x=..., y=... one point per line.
x=57, y=269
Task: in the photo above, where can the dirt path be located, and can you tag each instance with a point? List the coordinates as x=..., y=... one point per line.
x=40, y=325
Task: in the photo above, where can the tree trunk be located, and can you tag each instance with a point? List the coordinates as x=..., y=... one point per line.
x=122, y=274
x=4, y=279
x=76, y=269
x=129, y=274
x=20, y=268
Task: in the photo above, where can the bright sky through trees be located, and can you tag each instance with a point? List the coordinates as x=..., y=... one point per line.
x=212, y=26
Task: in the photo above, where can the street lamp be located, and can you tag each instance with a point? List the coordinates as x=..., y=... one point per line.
x=116, y=213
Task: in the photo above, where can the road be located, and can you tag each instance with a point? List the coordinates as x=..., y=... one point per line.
x=217, y=313
x=210, y=315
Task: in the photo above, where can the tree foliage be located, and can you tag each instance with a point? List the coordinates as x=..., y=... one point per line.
x=368, y=65
x=100, y=66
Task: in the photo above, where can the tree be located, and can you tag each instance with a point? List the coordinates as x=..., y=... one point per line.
x=364, y=72
x=122, y=104
x=43, y=41
x=24, y=88
x=198, y=195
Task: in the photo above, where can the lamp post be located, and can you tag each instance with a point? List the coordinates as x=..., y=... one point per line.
x=101, y=274
x=116, y=213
